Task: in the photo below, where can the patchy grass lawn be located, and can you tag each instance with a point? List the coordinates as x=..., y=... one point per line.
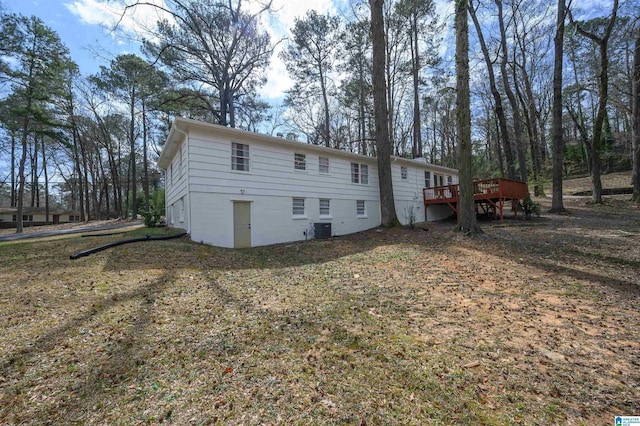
x=535, y=323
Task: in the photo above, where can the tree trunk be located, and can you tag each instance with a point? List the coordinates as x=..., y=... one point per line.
x=132, y=140
x=499, y=148
x=388, y=88
x=361, y=112
x=85, y=182
x=557, y=203
x=145, y=157
x=13, y=170
x=222, y=119
x=383, y=145
x=46, y=185
x=326, y=133
x=467, y=222
x=76, y=155
x=21, y=176
x=34, y=173
x=416, y=149
x=231, y=105
x=502, y=119
x=635, y=102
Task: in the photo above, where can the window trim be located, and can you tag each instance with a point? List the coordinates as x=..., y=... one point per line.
x=320, y=165
x=295, y=215
x=364, y=176
x=299, y=165
x=246, y=156
x=357, y=175
x=328, y=207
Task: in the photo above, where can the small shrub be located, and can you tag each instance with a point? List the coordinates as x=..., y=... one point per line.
x=410, y=215
x=152, y=216
x=529, y=206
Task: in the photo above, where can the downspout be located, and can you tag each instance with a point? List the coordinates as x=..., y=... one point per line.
x=186, y=140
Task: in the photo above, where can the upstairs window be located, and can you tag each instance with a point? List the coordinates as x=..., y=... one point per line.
x=359, y=173
x=403, y=172
x=449, y=180
x=239, y=157
x=323, y=165
x=364, y=174
x=427, y=179
x=300, y=161
x=355, y=173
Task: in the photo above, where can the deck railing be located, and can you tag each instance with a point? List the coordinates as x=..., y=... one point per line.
x=488, y=188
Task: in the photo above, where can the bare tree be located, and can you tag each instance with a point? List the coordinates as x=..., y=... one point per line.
x=515, y=107
x=213, y=43
x=502, y=119
x=603, y=95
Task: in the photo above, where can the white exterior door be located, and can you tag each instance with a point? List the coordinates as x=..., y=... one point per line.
x=241, y=224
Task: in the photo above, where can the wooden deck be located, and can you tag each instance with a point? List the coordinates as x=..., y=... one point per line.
x=490, y=195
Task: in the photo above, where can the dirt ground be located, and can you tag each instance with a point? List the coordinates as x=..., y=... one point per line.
x=536, y=322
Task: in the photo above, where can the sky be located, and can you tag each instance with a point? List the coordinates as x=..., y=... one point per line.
x=84, y=27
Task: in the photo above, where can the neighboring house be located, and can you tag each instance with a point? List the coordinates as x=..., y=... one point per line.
x=35, y=216
x=233, y=188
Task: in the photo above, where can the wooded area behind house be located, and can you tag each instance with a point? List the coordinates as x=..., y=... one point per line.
x=89, y=142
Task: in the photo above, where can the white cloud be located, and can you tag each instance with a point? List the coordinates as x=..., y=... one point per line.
x=133, y=21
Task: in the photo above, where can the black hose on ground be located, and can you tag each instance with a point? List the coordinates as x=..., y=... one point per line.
x=119, y=243
x=104, y=235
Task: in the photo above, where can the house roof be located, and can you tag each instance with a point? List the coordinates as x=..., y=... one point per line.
x=180, y=128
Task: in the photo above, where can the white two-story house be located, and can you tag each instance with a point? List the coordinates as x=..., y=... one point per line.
x=233, y=188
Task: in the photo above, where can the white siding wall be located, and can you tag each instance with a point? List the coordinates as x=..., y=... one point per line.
x=204, y=187
x=271, y=184
x=176, y=190
x=408, y=192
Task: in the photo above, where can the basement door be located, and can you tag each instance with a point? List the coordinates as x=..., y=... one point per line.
x=241, y=224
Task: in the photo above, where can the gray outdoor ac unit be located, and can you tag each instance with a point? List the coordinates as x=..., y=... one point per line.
x=322, y=230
